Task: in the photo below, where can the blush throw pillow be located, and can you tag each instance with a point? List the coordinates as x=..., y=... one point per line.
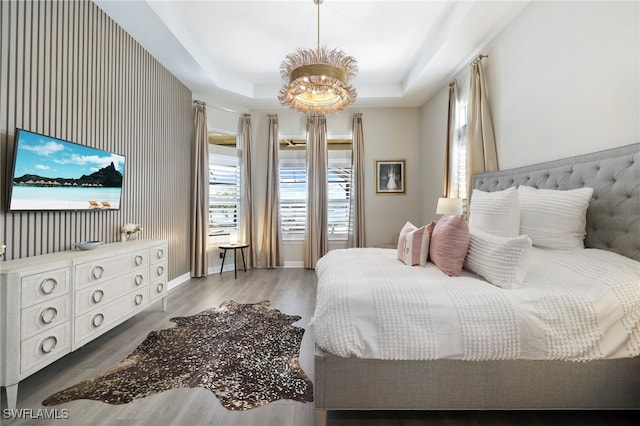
x=502, y=261
x=416, y=249
x=449, y=244
x=554, y=219
x=497, y=213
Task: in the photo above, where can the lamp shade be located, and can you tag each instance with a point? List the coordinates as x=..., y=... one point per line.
x=450, y=206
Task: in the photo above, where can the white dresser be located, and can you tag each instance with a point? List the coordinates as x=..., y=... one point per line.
x=55, y=303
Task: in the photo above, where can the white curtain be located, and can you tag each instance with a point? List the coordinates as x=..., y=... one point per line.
x=200, y=194
x=356, y=206
x=449, y=181
x=315, y=237
x=246, y=232
x=272, y=251
x=481, y=144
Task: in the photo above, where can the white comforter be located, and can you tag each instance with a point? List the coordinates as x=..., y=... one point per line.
x=577, y=305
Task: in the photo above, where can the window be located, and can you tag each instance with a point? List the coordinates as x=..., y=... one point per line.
x=293, y=189
x=224, y=187
x=339, y=193
x=461, y=155
x=293, y=192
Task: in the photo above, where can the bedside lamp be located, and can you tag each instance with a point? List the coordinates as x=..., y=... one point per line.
x=233, y=236
x=450, y=206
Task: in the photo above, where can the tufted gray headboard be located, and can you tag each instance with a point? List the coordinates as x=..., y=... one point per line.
x=613, y=216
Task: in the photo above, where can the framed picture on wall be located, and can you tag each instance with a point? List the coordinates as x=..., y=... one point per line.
x=390, y=176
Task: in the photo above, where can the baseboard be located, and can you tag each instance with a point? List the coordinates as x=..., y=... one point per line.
x=179, y=280
x=216, y=268
x=294, y=264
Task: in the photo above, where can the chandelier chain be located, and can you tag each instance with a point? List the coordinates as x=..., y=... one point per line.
x=318, y=3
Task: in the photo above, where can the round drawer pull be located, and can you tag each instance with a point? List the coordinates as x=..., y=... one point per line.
x=97, y=320
x=160, y=270
x=160, y=288
x=48, y=344
x=49, y=315
x=138, y=260
x=160, y=253
x=97, y=272
x=138, y=279
x=97, y=295
x=138, y=299
x=48, y=285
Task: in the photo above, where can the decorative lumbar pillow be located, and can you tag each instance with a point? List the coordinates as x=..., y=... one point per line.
x=416, y=249
x=500, y=260
x=554, y=218
x=402, y=239
x=449, y=244
x=497, y=213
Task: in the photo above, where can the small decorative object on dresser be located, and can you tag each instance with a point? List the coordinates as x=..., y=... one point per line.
x=130, y=231
x=88, y=245
x=55, y=303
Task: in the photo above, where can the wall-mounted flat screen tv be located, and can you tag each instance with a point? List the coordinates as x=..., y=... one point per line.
x=54, y=174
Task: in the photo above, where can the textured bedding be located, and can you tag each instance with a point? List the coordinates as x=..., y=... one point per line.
x=574, y=305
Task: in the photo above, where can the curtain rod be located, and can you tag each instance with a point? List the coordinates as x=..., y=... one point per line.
x=245, y=114
x=478, y=59
x=197, y=102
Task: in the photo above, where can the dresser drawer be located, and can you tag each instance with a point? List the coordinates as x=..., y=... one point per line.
x=99, y=320
x=158, y=289
x=43, y=316
x=43, y=286
x=103, y=293
x=159, y=253
x=104, y=269
x=45, y=347
x=158, y=271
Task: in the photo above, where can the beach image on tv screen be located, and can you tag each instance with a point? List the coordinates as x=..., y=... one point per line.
x=52, y=174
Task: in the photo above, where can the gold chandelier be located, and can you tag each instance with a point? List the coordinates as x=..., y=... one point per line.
x=316, y=81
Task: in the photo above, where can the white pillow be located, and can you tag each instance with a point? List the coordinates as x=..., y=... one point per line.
x=402, y=239
x=500, y=260
x=553, y=218
x=497, y=213
x=416, y=249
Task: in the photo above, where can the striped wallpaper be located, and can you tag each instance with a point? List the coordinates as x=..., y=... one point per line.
x=68, y=71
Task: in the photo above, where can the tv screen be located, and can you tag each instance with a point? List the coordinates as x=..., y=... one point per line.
x=54, y=174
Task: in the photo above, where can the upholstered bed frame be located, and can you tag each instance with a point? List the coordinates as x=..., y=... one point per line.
x=613, y=223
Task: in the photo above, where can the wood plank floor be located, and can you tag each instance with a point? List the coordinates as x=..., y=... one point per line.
x=290, y=290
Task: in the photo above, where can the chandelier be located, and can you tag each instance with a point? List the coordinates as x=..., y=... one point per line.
x=316, y=81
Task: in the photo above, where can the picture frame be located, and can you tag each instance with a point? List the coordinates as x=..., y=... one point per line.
x=390, y=177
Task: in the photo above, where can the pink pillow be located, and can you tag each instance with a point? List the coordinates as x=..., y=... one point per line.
x=402, y=239
x=417, y=245
x=449, y=244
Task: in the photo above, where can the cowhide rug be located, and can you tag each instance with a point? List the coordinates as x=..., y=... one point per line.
x=246, y=354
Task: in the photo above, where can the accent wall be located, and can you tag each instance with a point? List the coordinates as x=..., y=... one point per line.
x=68, y=71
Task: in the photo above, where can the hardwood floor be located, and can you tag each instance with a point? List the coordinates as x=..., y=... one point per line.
x=292, y=291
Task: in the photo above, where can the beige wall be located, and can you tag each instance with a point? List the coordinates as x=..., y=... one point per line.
x=390, y=133
x=562, y=79
x=68, y=71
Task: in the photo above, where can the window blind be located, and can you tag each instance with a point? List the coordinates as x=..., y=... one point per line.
x=293, y=193
x=224, y=191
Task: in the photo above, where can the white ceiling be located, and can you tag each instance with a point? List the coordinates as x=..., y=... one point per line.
x=231, y=51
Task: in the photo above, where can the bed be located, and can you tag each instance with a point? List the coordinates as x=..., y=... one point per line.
x=363, y=379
